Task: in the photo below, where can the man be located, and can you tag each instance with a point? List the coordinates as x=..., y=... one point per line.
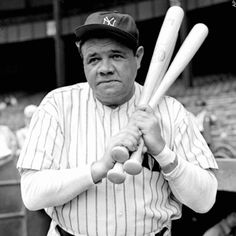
x=67, y=155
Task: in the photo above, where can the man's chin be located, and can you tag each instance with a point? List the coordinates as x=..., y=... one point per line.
x=111, y=100
x=113, y=96
x=110, y=92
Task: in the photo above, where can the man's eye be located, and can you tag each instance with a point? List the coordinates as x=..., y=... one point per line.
x=92, y=60
x=117, y=56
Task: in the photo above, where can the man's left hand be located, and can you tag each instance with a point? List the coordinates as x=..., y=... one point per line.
x=149, y=124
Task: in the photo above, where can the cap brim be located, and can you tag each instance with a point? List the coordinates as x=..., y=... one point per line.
x=92, y=30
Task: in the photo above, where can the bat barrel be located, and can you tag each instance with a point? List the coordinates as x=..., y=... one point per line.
x=188, y=49
x=162, y=52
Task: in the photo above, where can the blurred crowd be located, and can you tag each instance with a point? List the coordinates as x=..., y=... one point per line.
x=7, y=101
x=205, y=119
x=11, y=142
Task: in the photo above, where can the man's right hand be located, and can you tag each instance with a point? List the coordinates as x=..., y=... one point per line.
x=128, y=137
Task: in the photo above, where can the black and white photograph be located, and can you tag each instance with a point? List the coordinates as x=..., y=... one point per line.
x=117, y=118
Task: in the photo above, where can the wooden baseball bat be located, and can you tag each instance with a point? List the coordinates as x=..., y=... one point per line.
x=184, y=55
x=160, y=60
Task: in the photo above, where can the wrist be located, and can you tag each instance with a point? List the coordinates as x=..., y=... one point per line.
x=166, y=159
x=158, y=150
x=171, y=166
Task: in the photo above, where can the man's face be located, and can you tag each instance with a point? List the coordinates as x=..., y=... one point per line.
x=110, y=69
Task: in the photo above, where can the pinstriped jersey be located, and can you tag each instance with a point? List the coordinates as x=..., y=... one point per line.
x=71, y=129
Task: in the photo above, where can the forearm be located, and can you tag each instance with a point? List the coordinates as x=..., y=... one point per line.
x=46, y=188
x=193, y=186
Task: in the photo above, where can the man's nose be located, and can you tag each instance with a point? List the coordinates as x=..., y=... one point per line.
x=106, y=67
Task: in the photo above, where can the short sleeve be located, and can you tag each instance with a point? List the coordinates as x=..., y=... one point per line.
x=189, y=142
x=43, y=146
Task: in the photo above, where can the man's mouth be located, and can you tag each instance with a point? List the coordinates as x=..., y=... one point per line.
x=107, y=82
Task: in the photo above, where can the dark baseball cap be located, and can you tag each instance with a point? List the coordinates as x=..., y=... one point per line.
x=112, y=24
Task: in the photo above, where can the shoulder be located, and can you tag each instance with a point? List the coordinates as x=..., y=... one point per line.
x=138, y=87
x=60, y=100
x=173, y=109
x=62, y=92
x=171, y=103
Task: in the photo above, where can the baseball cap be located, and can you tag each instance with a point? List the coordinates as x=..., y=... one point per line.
x=112, y=24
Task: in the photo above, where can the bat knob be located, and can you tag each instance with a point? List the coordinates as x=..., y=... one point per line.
x=120, y=154
x=116, y=178
x=132, y=167
x=116, y=175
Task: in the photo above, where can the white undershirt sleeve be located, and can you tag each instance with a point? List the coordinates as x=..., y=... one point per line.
x=192, y=185
x=47, y=188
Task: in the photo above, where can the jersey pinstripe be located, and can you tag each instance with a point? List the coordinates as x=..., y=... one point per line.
x=71, y=129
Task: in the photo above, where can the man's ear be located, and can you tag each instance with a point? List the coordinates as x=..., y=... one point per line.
x=139, y=55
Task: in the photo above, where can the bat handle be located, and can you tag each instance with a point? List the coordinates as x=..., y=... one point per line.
x=133, y=166
x=116, y=175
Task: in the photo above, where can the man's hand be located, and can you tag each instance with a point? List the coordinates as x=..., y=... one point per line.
x=128, y=137
x=148, y=123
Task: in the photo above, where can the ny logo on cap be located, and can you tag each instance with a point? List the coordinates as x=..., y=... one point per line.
x=108, y=21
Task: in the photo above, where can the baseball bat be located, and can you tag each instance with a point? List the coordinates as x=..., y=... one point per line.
x=188, y=49
x=160, y=60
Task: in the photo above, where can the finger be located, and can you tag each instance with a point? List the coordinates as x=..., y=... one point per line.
x=145, y=121
x=141, y=114
x=130, y=143
x=132, y=133
x=145, y=108
x=144, y=150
